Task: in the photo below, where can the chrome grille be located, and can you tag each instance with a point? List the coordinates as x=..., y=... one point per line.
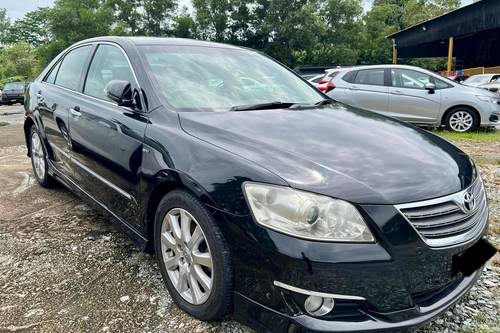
x=449, y=220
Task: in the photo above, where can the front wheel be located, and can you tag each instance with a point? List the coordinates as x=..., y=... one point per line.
x=461, y=120
x=193, y=256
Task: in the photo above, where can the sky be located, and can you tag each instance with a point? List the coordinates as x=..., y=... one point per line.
x=17, y=8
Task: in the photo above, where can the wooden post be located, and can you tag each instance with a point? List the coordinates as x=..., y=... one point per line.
x=450, y=54
x=394, y=52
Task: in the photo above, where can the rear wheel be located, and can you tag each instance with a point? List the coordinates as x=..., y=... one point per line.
x=39, y=159
x=193, y=256
x=461, y=119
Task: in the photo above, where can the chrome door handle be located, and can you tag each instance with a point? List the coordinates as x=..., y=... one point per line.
x=75, y=111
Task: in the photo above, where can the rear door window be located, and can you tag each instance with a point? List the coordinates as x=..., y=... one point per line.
x=71, y=69
x=374, y=77
x=51, y=78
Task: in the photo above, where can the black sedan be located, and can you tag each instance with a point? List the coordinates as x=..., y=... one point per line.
x=12, y=93
x=260, y=196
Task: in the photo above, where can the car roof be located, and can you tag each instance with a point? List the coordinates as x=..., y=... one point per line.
x=169, y=41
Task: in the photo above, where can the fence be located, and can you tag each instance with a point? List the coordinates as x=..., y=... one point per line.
x=475, y=71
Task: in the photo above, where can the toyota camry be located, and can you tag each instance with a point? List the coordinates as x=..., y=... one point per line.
x=260, y=196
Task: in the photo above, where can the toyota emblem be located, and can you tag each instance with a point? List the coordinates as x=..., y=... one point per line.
x=469, y=202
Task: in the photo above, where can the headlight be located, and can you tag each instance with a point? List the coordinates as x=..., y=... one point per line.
x=488, y=99
x=306, y=215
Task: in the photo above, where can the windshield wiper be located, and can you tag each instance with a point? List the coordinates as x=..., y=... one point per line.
x=325, y=102
x=263, y=106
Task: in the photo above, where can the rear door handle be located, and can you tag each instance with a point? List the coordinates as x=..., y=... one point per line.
x=353, y=88
x=75, y=111
x=397, y=92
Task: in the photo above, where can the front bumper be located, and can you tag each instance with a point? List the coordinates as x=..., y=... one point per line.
x=11, y=98
x=398, y=283
x=265, y=319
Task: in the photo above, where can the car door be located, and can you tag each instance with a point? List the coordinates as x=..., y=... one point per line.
x=54, y=98
x=368, y=90
x=107, y=139
x=409, y=100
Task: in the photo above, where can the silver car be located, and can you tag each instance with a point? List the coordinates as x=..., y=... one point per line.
x=417, y=96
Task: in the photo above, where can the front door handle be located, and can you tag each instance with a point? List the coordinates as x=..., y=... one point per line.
x=353, y=88
x=397, y=92
x=75, y=111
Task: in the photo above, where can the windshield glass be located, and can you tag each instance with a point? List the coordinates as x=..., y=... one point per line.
x=194, y=78
x=14, y=86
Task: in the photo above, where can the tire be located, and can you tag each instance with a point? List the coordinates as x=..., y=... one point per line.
x=203, y=300
x=39, y=159
x=461, y=119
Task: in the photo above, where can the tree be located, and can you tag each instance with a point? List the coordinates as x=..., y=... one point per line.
x=212, y=18
x=184, y=25
x=158, y=16
x=71, y=21
x=32, y=28
x=18, y=60
x=4, y=26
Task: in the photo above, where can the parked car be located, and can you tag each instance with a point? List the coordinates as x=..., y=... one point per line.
x=325, y=85
x=315, y=79
x=290, y=211
x=416, y=96
x=493, y=87
x=309, y=77
x=479, y=80
x=13, y=93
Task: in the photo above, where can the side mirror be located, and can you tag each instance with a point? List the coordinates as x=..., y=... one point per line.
x=120, y=92
x=431, y=87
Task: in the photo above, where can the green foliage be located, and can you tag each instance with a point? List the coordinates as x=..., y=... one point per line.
x=296, y=32
x=32, y=28
x=18, y=60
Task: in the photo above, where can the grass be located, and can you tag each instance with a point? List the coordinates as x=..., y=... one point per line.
x=3, y=123
x=478, y=136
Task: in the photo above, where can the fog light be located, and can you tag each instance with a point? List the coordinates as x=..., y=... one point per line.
x=318, y=306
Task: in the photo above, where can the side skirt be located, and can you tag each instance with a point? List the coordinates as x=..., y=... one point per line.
x=137, y=237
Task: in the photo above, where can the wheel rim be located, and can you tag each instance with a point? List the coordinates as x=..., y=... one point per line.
x=187, y=256
x=461, y=121
x=38, y=155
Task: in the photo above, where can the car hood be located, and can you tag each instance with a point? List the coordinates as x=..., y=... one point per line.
x=339, y=151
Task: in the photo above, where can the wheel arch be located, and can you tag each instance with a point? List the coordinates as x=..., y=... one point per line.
x=161, y=189
x=454, y=107
x=28, y=123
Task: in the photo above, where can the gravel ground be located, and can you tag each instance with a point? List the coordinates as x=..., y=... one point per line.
x=66, y=268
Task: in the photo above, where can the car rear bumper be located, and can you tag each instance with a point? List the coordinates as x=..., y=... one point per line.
x=265, y=319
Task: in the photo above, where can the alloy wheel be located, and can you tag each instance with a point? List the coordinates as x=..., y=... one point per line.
x=187, y=256
x=38, y=155
x=461, y=121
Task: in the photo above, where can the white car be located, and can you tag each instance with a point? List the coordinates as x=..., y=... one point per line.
x=480, y=79
x=417, y=96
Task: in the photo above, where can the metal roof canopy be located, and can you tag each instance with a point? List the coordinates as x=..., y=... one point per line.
x=475, y=28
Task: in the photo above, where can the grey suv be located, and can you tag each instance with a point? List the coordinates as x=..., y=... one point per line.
x=417, y=96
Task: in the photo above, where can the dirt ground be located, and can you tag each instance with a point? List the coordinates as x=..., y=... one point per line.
x=66, y=268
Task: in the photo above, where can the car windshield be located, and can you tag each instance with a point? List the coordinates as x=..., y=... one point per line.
x=194, y=78
x=14, y=86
